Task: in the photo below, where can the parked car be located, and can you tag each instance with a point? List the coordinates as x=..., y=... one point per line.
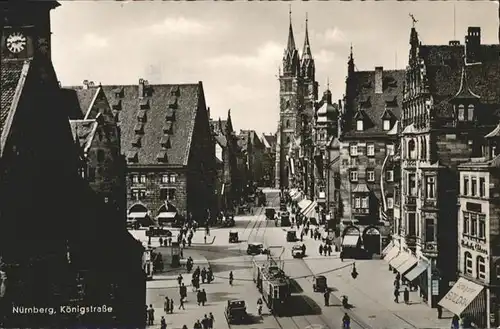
x=236, y=311
x=298, y=250
x=256, y=249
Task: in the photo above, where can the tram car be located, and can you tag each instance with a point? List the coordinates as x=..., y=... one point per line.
x=273, y=284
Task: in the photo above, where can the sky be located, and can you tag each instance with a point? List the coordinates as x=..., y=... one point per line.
x=236, y=48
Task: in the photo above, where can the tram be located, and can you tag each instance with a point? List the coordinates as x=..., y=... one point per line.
x=273, y=283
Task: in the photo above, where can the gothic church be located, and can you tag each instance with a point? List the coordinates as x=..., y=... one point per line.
x=298, y=95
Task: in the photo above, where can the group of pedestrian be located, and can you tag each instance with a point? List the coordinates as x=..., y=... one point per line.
x=167, y=242
x=206, y=276
x=168, y=305
x=325, y=249
x=397, y=287
x=206, y=323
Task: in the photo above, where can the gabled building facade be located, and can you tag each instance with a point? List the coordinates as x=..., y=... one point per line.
x=450, y=103
x=167, y=142
x=97, y=137
x=52, y=220
x=372, y=106
x=298, y=95
x=255, y=151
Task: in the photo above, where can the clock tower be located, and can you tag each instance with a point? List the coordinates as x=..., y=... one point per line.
x=25, y=29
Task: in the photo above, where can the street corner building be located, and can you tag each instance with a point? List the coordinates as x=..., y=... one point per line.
x=60, y=243
x=368, y=170
x=166, y=139
x=450, y=111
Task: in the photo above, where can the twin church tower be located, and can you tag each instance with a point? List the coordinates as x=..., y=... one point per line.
x=298, y=96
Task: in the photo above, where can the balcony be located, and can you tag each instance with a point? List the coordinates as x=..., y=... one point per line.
x=411, y=241
x=430, y=204
x=430, y=248
x=411, y=200
x=360, y=211
x=410, y=163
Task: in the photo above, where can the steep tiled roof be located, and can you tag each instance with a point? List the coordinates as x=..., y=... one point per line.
x=254, y=138
x=169, y=109
x=444, y=68
x=373, y=105
x=243, y=140
x=269, y=140
x=11, y=72
x=83, y=132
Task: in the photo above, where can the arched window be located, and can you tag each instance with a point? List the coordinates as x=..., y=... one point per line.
x=461, y=112
x=288, y=139
x=470, y=112
x=480, y=267
x=412, y=149
x=467, y=263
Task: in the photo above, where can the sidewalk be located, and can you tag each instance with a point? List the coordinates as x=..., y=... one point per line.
x=372, y=296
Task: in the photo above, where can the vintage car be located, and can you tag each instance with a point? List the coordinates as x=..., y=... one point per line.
x=291, y=236
x=233, y=237
x=236, y=311
x=156, y=231
x=298, y=250
x=285, y=219
x=320, y=284
x=256, y=249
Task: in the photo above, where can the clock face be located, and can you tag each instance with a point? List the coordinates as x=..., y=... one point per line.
x=16, y=42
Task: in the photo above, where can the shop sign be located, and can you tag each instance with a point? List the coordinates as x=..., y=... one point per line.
x=474, y=246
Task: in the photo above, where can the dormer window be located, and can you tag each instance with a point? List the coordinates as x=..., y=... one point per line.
x=461, y=112
x=144, y=104
x=167, y=127
x=359, y=125
x=141, y=116
x=170, y=115
x=165, y=141
x=470, y=112
x=387, y=125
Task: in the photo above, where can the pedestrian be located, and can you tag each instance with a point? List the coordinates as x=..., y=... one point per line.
x=163, y=323
x=311, y=233
x=179, y=279
x=197, y=325
x=161, y=242
x=440, y=311
x=204, y=322
x=171, y=305
x=396, y=295
x=193, y=284
x=184, y=243
x=203, y=275
x=326, y=295
x=396, y=284
x=205, y=239
x=181, y=303
x=198, y=297
x=455, y=322
x=406, y=296
x=231, y=278
x=166, y=305
x=321, y=249
x=329, y=248
x=151, y=315
x=147, y=314
x=203, y=297
x=211, y=321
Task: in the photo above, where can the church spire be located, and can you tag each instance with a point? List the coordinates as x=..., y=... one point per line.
x=291, y=40
x=350, y=63
x=308, y=67
x=291, y=62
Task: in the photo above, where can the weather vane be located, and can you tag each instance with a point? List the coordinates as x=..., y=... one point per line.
x=413, y=20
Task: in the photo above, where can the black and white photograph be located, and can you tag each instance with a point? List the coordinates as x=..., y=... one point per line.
x=250, y=164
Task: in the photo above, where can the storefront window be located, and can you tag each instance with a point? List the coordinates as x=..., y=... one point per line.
x=481, y=268
x=467, y=263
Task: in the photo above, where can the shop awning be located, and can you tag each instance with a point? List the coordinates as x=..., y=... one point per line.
x=308, y=211
x=167, y=215
x=399, y=259
x=387, y=248
x=460, y=296
x=297, y=196
x=391, y=254
x=304, y=204
x=417, y=270
x=403, y=268
x=137, y=215
x=350, y=241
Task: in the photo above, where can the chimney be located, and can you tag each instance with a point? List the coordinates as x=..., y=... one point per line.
x=142, y=82
x=454, y=43
x=85, y=84
x=379, y=89
x=472, y=44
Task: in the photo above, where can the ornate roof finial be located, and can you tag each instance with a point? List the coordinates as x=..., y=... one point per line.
x=414, y=21
x=290, y=13
x=328, y=83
